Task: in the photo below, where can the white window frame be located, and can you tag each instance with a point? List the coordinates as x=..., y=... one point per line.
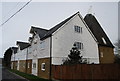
x=79, y=45
x=78, y=29
x=43, y=66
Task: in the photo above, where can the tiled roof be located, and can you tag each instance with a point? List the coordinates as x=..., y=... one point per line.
x=23, y=45
x=14, y=49
x=97, y=30
x=90, y=20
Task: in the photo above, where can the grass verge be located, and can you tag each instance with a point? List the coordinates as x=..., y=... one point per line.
x=28, y=76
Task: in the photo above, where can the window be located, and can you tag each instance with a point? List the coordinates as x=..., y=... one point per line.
x=104, y=40
x=79, y=45
x=34, y=65
x=43, y=66
x=28, y=65
x=101, y=54
x=78, y=29
x=42, y=44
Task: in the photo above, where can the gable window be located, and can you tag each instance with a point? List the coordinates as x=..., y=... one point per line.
x=43, y=66
x=79, y=45
x=103, y=39
x=78, y=29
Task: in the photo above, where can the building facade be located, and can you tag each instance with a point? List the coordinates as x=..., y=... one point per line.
x=51, y=47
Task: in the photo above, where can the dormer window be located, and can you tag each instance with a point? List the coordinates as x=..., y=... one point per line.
x=103, y=39
x=78, y=29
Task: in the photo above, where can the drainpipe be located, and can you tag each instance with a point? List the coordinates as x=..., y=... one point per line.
x=50, y=74
x=26, y=61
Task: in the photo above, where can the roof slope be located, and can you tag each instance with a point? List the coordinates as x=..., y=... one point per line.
x=40, y=31
x=97, y=30
x=23, y=45
x=53, y=29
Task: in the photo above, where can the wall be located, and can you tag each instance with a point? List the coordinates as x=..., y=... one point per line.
x=108, y=54
x=38, y=51
x=22, y=66
x=29, y=66
x=97, y=72
x=64, y=38
x=43, y=48
x=44, y=74
x=21, y=55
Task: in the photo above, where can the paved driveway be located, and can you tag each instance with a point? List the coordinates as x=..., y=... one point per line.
x=9, y=76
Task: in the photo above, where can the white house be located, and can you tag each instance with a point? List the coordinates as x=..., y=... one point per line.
x=51, y=47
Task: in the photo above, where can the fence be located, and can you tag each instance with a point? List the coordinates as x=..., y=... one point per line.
x=86, y=72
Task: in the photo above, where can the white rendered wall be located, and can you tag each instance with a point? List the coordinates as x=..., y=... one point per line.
x=44, y=50
x=64, y=38
x=21, y=55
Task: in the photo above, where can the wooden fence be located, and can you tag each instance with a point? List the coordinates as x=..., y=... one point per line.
x=86, y=72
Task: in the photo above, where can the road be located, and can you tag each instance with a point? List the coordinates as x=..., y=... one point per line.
x=9, y=76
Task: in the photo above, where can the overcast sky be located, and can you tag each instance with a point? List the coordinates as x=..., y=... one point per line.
x=48, y=14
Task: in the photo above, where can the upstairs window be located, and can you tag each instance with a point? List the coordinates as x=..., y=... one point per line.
x=79, y=45
x=78, y=29
x=42, y=44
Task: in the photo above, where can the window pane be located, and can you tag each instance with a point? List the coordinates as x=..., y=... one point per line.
x=75, y=28
x=81, y=29
x=43, y=66
x=79, y=45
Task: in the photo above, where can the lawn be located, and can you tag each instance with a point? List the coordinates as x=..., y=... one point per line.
x=28, y=76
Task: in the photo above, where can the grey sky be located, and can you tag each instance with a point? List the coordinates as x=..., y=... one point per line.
x=48, y=14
